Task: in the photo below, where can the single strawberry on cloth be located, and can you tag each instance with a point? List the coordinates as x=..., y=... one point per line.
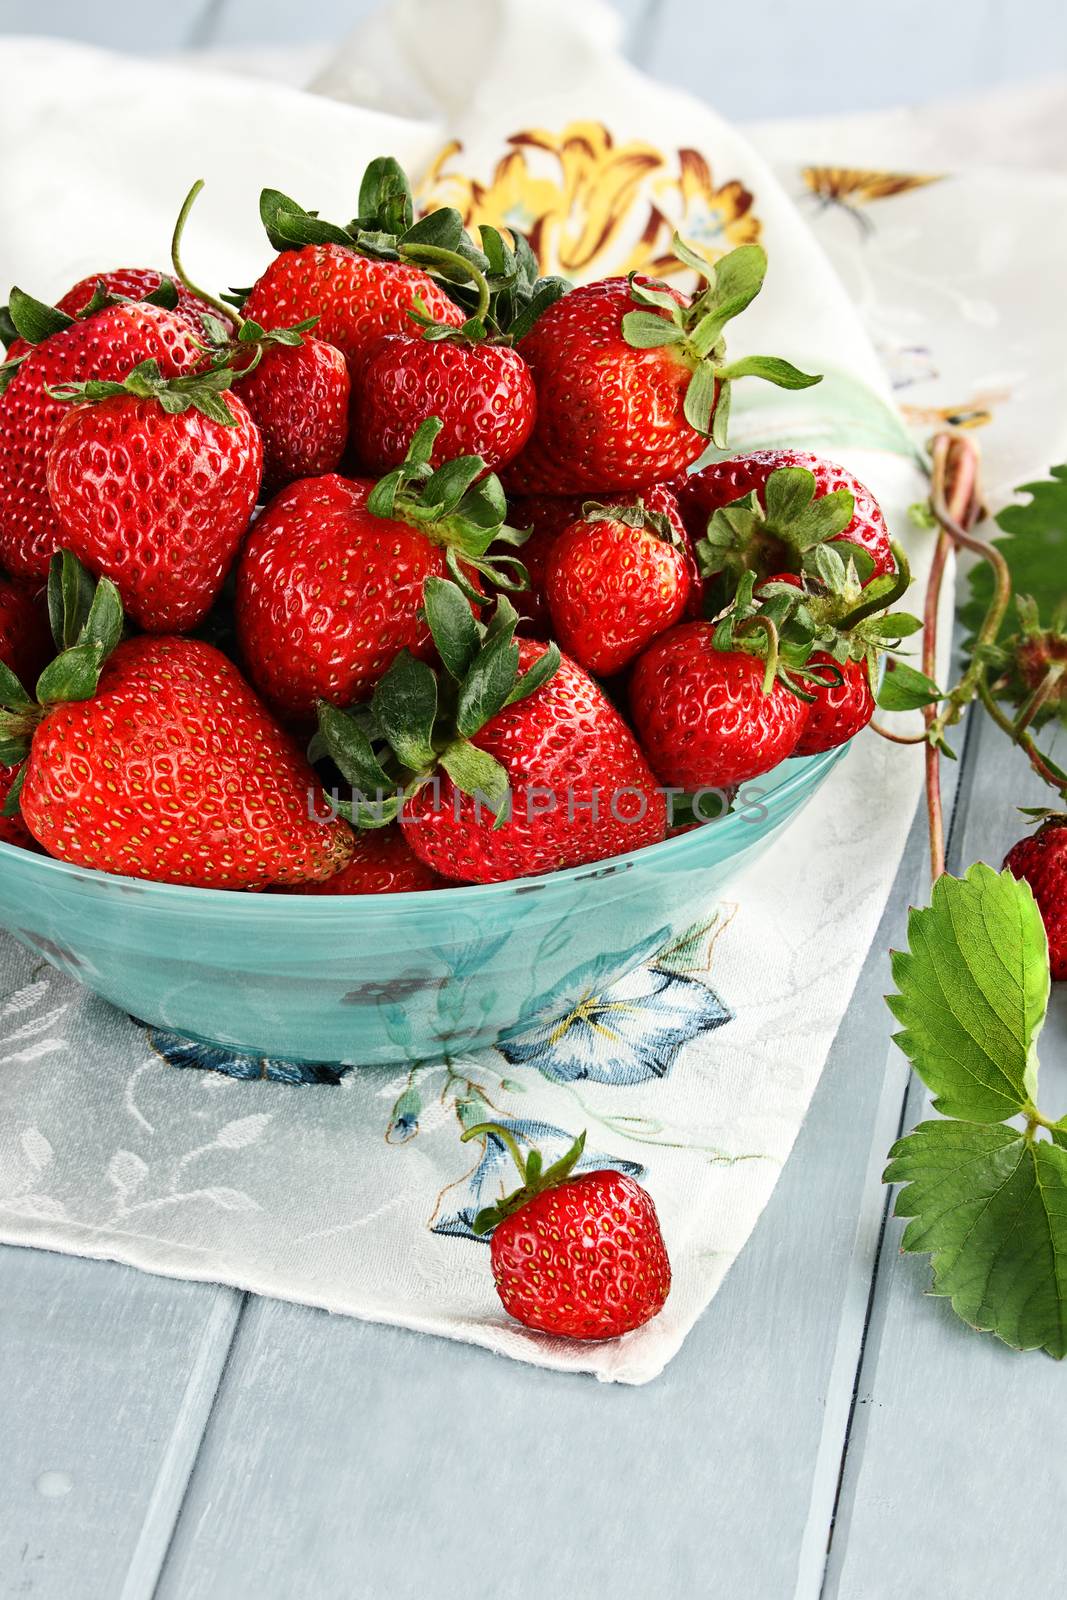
x=693, y=1075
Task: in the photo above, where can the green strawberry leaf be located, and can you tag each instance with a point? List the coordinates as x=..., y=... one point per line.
x=1035, y=548
x=700, y=398
x=543, y=671
x=404, y=704
x=989, y=1204
x=451, y=621
x=8, y=370
x=10, y=807
x=644, y=330
x=73, y=675
x=906, y=689
x=487, y=685
x=346, y=743
x=165, y=295
x=972, y=991
x=103, y=625
x=385, y=201
x=772, y=369
x=8, y=331
x=476, y=773
x=70, y=597
x=12, y=695
x=33, y=320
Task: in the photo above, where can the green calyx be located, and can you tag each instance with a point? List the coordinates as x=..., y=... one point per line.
x=536, y=1178
x=199, y=391
x=695, y=330
x=457, y=505
x=87, y=624
x=420, y=722
x=637, y=516
x=789, y=529
x=33, y=321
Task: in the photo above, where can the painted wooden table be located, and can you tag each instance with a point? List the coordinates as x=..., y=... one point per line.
x=827, y=1429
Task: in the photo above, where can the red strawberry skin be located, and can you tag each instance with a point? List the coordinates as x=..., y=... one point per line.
x=107, y=345
x=355, y=298
x=611, y=590
x=548, y=515
x=134, y=283
x=156, y=502
x=585, y=1260
x=839, y=711
x=327, y=594
x=608, y=416
x=25, y=635
x=723, y=482
x=701, y=714
x=175, y=772
x=298, y=397
x=382, y=863
x=483, y=393
x=566, y=750
x=12, y=829
x=1041, y=858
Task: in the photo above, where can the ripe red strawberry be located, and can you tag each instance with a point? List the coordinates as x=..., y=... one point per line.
x=631, y=378
x=355, y=297
x=106, y=346
x=154, y=482
x=25, y=635
x=769, y=512
x=1041, y=858
x=127, y=283
x=580, y=1255
x=512, y=762
x=153, y=758
x=382, y=863
x=331, y=578
x=546, y=516
x=298, y=397
x=615, y=580
x=708, y=717
x=837, y=711
x=482, y=392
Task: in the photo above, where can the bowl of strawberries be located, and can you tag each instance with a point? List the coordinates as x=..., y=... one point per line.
x=378, y=671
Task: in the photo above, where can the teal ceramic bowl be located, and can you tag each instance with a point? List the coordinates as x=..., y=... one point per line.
x=374, y=979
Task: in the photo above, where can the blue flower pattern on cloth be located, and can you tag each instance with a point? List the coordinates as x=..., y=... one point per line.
x=179, y=1052
x=495, y=1174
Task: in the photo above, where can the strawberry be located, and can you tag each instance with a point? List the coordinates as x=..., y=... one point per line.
x=508, y=761
x=12, y=828
x=25, y=636
x=482, y=392
x=1041, y=859
x=709, y=715
x=631, y=380
x=105, y=346
x=153, y=481
x=330, y=581
x=153, y=758
x=546, y=517
x=772, y=511
x=578, y=1255
x=382, y=863
x=615, y=580
x=837, y=711
x=90, y=294
x=298, y=397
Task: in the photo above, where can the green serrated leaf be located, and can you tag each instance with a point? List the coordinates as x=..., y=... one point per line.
x=1034, y=546
x=543, y=671
x=476, y=773
x=451, y=621
x=12, y=694
x=973, y=987
x=405, y=707
x=772, y=369
x=990, y=1207
x=644, y=330
x=33, y=320
x=787, y=494
x=486, y=687
x=73, y=675
x=346, y=743
x=699, y=399
x=102, y=629
x=720, y=425
x=906, y=689
x=70, y=597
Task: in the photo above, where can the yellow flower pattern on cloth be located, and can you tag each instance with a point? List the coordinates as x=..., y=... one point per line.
x=592, y=208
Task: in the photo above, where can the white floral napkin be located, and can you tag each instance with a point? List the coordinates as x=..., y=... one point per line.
x=356, y=1194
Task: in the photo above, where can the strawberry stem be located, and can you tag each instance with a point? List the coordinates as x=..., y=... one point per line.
x=228, y=313
x=432, y=255
x=506, y=1138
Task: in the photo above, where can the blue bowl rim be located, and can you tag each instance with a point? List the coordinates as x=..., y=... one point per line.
x=460, y=896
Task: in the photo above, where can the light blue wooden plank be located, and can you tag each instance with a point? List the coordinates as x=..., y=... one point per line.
x=956, y=1476
x=108, y=1379
x=351, y=1461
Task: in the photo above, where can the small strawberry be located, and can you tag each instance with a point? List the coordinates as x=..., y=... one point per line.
x=25, y=636
x=105, y=345
x=1041, y=859
x=771, y=511
x=546, y=516
x=297, y=388
x=709, y=711
x=153, y=758
x=91, y=294
x=580, y=1255
x=363, y=280
x=509, y=761
x=330, y=581
x=838, y=710
x=631, y=378
x=615, y=580
x=153, y=481
x=382, y=863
